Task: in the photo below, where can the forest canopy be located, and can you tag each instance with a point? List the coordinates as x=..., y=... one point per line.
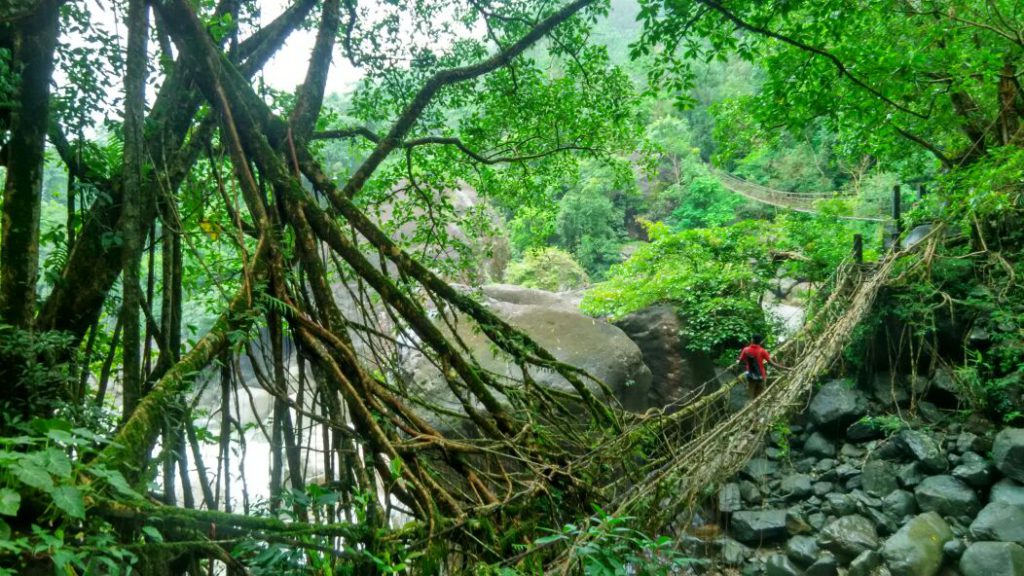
x=182, y=236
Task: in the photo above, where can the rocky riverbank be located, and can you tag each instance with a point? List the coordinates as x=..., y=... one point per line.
x=851, y=488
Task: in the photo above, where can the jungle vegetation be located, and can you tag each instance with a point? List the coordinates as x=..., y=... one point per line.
x=171, y=220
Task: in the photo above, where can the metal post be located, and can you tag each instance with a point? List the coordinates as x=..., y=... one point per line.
x=858, y=248
x=896, y=213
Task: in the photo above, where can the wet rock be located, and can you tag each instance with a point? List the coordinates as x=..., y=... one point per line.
x=862, y=431
x=954, y=549
x=1007, y=491
x=817, y=520
x=991, y=558
x=757, y=526
x=819, y=446
x=916, y=548
x=910, y=475
x=879, y=477
x=803, y=550
x=729, y=498
x=750, y=492
x=795, y=522
x=865, y=564
x=947, y=496
x=758, y=469
x=943, y=390
x=969, y=442
x=1000, y=522
x=805, y=465
x=851, y=452
x=821, y=488
x=796, y=486
x=836, y=406
x=826, y=565
x=846, y=471
x=840, y=504
x=850, y=535
x=923, y=449
x=930, y=413
x=780, y=565
x=974, y=470
x=1008, y=453
x=899, y=504
x=733, y=553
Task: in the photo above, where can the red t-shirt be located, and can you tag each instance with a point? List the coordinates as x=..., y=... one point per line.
x=757, y=353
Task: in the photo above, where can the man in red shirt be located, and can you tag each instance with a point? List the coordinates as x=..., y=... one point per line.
x=753, y=358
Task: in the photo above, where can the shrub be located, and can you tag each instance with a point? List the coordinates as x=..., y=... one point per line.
x=547, y=269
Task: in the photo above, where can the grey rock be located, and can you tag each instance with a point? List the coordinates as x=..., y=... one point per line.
x=840, y=504
x=824, y=566
x=1007, y=491
x=803, y=550
x=947, y=496
x=1000, y=522
x=853, y=483
x=750, y=492
x=773, y=453
x=991, y=558
x=819, y=446
x=729, y=498
x=848, y=536
x=836, y=406
x=864, y=500
x=780, y=565
x=821, y=488
x=865, y=563
x=916, y=548
x=851, y=452
x=805, y=465
x=969, y=442
x=796, y=486
x=924, y=449
x=795, y=522
x=817, y=520
x=733, y=553
x=930, y=413
x=974, y=470
x=846, y=471
x=1008, y=453
x=943, y=389
x=757, y=526
x=884, y=524
x=758, y=469
x=888, y=390
x=954, y=549
x=591, y=344
x=911, y=475
x=863, y=431
x=879, y=477
x=899, y=504
x=676, y=370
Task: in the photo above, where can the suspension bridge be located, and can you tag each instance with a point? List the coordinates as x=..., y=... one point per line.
x=796, y=201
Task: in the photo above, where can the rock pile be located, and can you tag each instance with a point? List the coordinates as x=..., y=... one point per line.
x=843, y=494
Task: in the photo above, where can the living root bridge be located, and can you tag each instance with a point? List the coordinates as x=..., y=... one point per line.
x=391, y=453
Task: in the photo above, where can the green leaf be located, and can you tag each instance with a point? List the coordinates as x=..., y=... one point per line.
x=29, y=471
x=5, y=531
x=153, y=533
x=10, y=501
x=69, y=499
x=58, y=463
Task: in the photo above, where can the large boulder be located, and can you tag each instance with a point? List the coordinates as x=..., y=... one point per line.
x=916, y=548
x=1008, y=453
x=947, y=496
x=849, y=536
x=992, y=558
x=757, y=526
x=1001, y=522
x=677, y=372
x=1007, y=491
x=836, y=406
x=923, y=448
x=573, y=338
